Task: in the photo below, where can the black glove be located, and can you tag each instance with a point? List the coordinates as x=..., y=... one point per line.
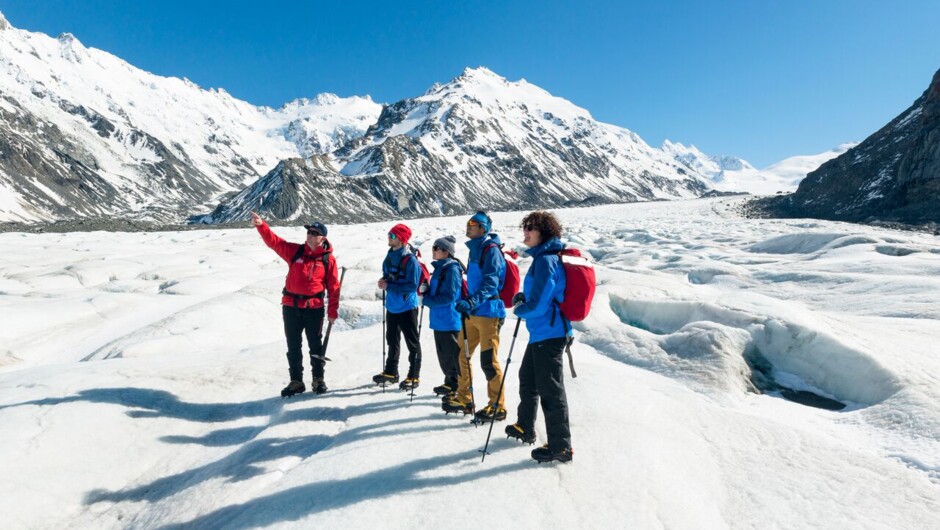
x=518, y=299
x=462, y=307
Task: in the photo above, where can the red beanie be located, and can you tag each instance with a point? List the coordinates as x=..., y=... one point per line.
x=402, y=232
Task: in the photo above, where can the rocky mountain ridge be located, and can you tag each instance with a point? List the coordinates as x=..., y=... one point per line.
x=476, y=142
x=892, y=176
x=84, y=134
x=87, y=138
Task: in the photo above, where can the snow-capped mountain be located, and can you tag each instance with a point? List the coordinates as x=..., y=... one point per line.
x=710, y=166
x=85, y=134
x=733, y=174
x=787, y=174
x=478, y=141
x=894, y=175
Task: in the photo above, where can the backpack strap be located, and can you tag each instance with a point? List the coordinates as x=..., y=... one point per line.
x=298, y=253
x=325, y=257
x=557, y=304
x=480, y=264
x=401, y=264
x=444, y=275
x=404, y=260
x=298, y=298
x=487, y=247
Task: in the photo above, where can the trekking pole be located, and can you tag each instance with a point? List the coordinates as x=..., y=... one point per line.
x=466, y=349
x=329, y=327
x=500, y=393
x=420, y=321
x=383, y=336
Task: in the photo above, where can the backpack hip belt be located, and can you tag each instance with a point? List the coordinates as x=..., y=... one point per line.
x=303, y=297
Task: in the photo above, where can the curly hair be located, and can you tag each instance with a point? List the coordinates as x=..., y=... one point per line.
x=545, y=222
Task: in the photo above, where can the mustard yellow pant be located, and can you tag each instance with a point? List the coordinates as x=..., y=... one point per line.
x=482, y=332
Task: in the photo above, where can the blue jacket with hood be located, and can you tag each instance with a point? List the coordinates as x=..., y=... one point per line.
x=402, y=289
x=443, y=293
x=484, y=283
x=544, y=289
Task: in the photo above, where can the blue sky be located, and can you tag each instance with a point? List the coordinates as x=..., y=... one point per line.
x=758, y=79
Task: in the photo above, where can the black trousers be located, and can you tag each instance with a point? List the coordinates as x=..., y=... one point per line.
x=297, y=322
x=448, y=354
x=541, y=376
x=398, y=324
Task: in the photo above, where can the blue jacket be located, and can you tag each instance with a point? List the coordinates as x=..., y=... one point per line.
x=402, y=290
x=443, y=292
x=544, y=289
x=484, y=283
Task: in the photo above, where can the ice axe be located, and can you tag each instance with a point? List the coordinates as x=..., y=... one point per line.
x=329, y=327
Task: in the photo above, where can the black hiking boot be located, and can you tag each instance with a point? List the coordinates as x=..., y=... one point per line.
x=517, y=432
x=319, y=385
x=385, y=379
x=444, y=390
x=490, y=413
x=409, y=383
x=455, y=405
x=292, y=388
x=544, y=454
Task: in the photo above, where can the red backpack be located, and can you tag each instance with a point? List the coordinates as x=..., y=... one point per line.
x=425, y=275
x=580, y=284
x=425, y=278
x=512, y=282
x=464, y=291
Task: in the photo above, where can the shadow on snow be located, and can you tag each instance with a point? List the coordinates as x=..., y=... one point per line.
x=295, y=503
x=245, y=462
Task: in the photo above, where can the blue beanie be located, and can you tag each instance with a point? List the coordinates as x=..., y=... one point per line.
x=484, y=220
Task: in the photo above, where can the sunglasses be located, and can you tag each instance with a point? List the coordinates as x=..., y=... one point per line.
x=313, y=233
x=392, y=236
x=437, y=248
x=473, y=223
x=530, y=228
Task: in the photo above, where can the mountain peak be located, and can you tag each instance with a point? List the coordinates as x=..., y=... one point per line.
x=480, y=72
x=477, y=82
x=680, y=148
x=326, y=98
x=71, y=48
x=66, y=38
x=480, y=75
x=933, y=91
x=3, y=22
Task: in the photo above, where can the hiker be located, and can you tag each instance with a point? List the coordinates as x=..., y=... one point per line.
x=311, y=276
x=541, y=377
x=444, y=291
x=401, y=277
x=483, y=313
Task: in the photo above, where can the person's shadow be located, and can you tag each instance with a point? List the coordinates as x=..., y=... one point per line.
x=298, y=502
x=246, y=461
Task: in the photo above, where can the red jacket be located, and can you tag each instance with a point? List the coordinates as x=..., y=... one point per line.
x=308, y=275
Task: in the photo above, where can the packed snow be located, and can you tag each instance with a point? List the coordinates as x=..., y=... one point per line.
x=733, y=373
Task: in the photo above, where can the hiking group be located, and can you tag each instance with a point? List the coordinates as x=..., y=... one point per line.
x=467, y=306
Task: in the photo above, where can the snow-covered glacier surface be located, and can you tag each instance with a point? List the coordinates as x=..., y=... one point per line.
x=732, y=374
